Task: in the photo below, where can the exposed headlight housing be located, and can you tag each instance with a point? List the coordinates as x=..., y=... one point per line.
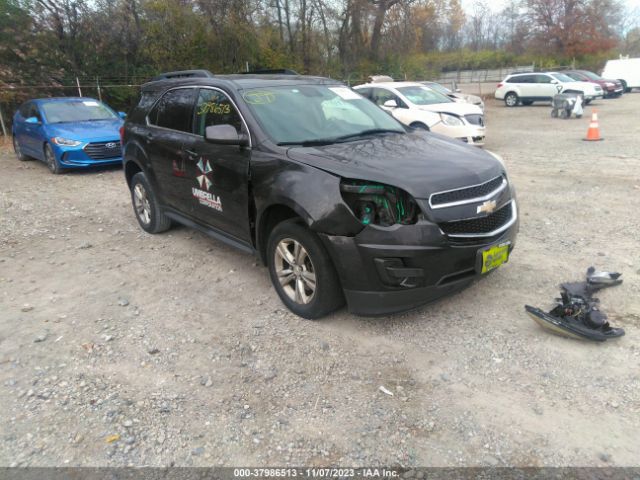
x=379, y=204
x=451, y=120
x=65, y=142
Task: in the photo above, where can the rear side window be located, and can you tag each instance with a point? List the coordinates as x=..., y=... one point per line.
x=522, y=79
x=174, y=110
x=214, y=108
x=543, y=79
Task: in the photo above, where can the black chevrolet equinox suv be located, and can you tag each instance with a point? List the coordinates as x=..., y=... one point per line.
x=337, y=198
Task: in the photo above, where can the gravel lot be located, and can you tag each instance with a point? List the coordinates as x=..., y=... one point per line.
x=121, y=348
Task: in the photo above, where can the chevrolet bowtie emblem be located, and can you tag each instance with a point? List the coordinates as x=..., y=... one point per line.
x=487, y=207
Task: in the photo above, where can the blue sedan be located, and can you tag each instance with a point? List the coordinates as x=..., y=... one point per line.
x=68, y=133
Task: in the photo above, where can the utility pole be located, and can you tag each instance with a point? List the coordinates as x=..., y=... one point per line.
x=4, y=130
x=98, y=87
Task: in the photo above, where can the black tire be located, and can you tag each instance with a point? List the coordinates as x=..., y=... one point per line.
x=50, y=160
x=313, y=261
x=527, y=103
x=625, y=89
x=511, y=99
x=18, y=151
x=146, y=207
x=420, y=126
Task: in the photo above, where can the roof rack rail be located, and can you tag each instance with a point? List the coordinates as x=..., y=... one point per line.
x=183, y=74
x=273, y=71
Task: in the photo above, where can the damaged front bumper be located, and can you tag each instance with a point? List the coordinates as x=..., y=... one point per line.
x=392, y=269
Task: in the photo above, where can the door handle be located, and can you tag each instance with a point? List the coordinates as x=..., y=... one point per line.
x=191, y=154
x=148, y=136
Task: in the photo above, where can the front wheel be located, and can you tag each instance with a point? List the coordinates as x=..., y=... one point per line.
x=50, y=160
x=625, y=88
x=302, y=272
x=18, y=151
x=511, y=99
x=419, y=126
x=146, y=207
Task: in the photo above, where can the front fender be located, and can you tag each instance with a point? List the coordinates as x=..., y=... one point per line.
x=313, y=194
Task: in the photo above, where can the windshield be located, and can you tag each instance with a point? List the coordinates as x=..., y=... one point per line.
x=316, y=113
x=562, y=77
x=423, y=95
x=76, y=111
x=591, y=75
x=438, y=88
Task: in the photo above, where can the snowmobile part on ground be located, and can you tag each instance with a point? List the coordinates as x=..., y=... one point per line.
x=576, y=315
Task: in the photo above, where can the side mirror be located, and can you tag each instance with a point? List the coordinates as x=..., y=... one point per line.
x=32, y=121
x=554, y=82
x=122, y=115
x=225, y=135
x=390, y=104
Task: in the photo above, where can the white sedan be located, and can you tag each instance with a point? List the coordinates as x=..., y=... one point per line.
x=419, y=106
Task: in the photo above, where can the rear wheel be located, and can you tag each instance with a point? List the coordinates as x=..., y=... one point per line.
x=146, y=207
x=302, y=272
x=50, y=160
x=511, y=99
x=16, y=148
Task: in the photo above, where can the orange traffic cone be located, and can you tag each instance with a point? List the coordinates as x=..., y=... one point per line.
x=593, y=134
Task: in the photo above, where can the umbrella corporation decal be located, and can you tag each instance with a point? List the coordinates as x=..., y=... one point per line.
x=202, y=194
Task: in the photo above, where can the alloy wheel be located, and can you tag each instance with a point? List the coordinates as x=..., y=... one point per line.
x=511, y=100
x=141, y=204
x=295, y=271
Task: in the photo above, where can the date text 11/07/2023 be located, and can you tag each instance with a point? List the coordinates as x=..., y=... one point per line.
x=316, y=472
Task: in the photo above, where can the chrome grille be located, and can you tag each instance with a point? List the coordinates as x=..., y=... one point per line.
x=482, y=226
x=103, y=150
x=468, y=194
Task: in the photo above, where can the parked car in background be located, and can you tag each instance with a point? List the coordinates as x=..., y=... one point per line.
x=627, y=70
x=526, y=88
x=338, y=199
x=419, y=106
x=456, y=96
x=67, y=132
x=611, y=88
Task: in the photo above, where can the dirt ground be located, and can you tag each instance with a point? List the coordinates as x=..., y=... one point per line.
x=122, y=348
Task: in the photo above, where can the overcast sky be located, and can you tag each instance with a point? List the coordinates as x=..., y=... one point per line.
x=498, y=4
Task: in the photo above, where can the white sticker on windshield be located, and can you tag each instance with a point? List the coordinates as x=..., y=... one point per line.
x=91, y=103
x=345, y=93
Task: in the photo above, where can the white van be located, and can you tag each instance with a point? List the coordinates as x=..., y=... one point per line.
x=627, y=70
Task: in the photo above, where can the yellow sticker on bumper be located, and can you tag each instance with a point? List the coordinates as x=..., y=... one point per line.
x=494, y=257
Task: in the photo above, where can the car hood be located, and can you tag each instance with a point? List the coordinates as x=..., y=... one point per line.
x=100, y=130
x=420, y=163
x=474, y=99
x=457, y=108
x=581, y=85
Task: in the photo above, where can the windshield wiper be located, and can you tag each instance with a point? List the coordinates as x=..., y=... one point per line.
x=328, y=141
x=312, y=143
x=372, y=131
